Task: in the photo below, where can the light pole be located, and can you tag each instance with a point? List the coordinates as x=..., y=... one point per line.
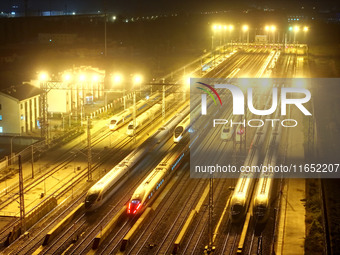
x=214, y=29
x=296, y=29
x=267, y=30
x=117, y=79
x=82, y=79
x=94, y=85
x=231, y=28
x=12, y=147
x=137, y=79
x=43, y=77
x=273, y=29
x=305, y=30
x=290, y=29
x=66, y=79
x=245, y=28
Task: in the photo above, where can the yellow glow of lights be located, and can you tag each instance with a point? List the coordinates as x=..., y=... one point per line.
x=214, y=27
x=296, y=28
x=82, y=77
x=67, y=77
x=43, y=76
x=305, y=29
x=273, y=28
x=117, y=78
x=225, y=27
x=267, y=28
x=186, y=80
x=219, y=27
x=231, y=27
x=245, y=28
x=137, y=79
x=95, y=78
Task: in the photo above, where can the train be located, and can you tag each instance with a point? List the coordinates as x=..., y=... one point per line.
x=264, y=189
x=145, y=117
x=142, y=119
x=110, y=183
x=148, y=190
x=181, y=128
x=241, y=197
x=244, y=188
x=262, y=197
x=186, y=124
x=119, y=119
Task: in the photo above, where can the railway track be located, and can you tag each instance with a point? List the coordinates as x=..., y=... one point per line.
x=83, y=174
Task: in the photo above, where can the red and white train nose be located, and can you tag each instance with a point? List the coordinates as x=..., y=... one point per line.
x=134, y=206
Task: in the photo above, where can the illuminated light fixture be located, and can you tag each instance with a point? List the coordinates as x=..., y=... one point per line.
x=67, y=77
x=245, y=28
x=225, y=27
x=214, y=27
x=273, y=28
x=231, y=27
x=267, y=28
x=43, y=76
x=296, y=28
x=82, y=77
x=290, y=28
x=137, y=79
x=117, y=78
x=95, y=78
x=305, y=29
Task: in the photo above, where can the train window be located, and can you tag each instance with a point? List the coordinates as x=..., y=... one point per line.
x=178, y=131
x=113, y=122
x=92, y=197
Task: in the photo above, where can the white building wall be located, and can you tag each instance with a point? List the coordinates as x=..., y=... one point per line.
x=10, y=122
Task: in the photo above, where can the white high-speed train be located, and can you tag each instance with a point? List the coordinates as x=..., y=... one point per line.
x=264, y=189
x=142, y=119
x=148, y=189
x=145, y=117
x=109, y=183
x=142, y=105
x=181, y=128
x=186, y=124
x=227, y=132
x=262, y=195
x=241, y=197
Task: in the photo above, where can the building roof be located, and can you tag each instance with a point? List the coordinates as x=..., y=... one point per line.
x=22, y=92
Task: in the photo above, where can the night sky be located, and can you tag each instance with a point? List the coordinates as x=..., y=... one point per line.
x=135, y=6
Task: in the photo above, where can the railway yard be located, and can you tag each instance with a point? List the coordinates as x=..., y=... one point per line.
x=139, y=197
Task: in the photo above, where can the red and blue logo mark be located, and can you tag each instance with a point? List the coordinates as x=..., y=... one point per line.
x=209, y=93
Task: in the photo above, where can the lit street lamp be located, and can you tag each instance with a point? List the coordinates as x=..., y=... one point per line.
x=296, y=29
x=82, y=79
x=43, y=77
x=137, y=79
x=245, y=28
x=273, y=29
x=116, y=80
